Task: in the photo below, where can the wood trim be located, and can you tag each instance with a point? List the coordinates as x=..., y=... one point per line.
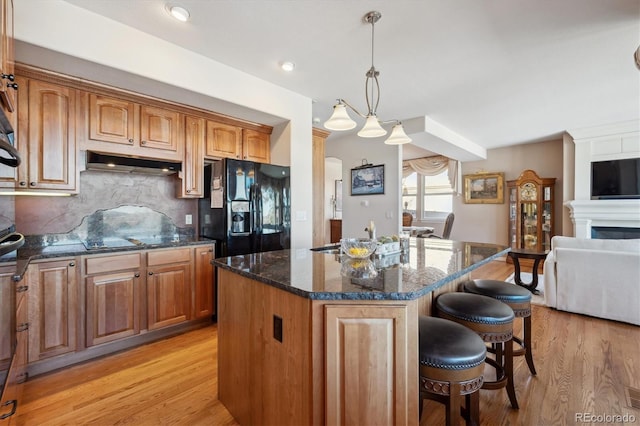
x=318, y=158
x=30, y=71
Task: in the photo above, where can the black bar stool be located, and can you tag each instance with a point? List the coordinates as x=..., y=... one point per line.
x=519, y=299
x=451, y=366
x=493, y=321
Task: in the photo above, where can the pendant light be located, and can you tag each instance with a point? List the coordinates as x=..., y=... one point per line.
x=372, y=128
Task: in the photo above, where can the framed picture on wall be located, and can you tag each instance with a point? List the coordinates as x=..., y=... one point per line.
x=484, y=188
x=367, y=180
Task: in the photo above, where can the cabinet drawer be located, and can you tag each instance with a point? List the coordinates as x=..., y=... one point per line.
x=97, y=265
x=163, y=257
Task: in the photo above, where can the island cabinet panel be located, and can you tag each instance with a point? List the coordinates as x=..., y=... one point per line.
x=113, y=307
x=368, y=349
x=53, y=308
x=264, y=355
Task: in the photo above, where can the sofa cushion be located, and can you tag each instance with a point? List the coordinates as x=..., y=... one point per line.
x=631, y=245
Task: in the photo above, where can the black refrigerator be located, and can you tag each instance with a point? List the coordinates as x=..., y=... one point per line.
x=246, y=207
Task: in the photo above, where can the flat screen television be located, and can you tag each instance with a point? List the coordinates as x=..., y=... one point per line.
x=615, y=179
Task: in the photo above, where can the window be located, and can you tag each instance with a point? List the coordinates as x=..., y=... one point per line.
x=435, y=192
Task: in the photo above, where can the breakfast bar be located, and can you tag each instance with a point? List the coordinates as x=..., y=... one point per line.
x=314, y=337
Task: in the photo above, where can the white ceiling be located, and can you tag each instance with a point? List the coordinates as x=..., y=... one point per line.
x=496, y=72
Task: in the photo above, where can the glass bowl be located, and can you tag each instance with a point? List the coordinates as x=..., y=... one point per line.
x=358, y=248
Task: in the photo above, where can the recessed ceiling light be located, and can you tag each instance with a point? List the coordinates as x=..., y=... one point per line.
x=288, y=66
x=178, y=12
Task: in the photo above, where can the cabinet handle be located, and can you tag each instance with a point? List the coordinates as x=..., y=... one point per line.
x=210, y=250
x=188, y=191
x=10, y=77
x=136, y=275
x=22, y=327
x=22, y=288
x=23, y=183
x=130, y=140
x=143, y=142
x=13, y=85
x=32, y=184
x=13, y=409
x=72, y=263
x=150, y=273
x=21, y=378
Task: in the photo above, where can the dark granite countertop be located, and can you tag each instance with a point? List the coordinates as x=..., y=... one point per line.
x=429, y=264
x=65, y=245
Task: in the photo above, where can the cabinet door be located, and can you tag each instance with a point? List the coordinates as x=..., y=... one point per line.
x=51, y=139
x=256, y=146
x=192, y=182
x=113, y=306
x=112, y=120
x=223, y=141
x=168, y=295
x=367, y=348
x=160, y=129
x=53, y=301
x=7, y=319
x=7, y=62
x=204, y=295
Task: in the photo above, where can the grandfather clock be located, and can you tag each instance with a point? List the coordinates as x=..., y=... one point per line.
x=531, y=201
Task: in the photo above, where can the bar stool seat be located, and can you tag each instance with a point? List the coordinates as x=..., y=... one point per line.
x=451, y=366
x=519, y=299
x=492, y=320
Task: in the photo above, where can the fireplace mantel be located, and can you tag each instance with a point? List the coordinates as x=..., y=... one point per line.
x=609, y=213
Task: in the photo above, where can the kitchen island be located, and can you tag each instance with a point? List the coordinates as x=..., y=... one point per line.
x=312, y=337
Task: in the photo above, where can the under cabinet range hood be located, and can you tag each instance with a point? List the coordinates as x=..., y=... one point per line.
x=112, y=163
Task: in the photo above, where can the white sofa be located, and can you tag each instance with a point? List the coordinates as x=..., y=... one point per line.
x=597, y=277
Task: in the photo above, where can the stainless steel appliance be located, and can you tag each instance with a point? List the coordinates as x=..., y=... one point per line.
x=246, y=208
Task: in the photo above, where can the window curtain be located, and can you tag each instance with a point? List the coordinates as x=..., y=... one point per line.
x=431, y=166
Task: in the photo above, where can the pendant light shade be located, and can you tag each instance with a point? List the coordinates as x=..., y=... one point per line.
x=398, y=136
x=340, y=119
x=372, y=128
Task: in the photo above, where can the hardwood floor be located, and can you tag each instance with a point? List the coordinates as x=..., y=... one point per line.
x=584, y=365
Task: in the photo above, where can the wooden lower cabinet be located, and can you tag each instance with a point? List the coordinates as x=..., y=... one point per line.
x=168, y=287
x=204, y=302
x=112, y=288
x=113, y=306
x=53, y=307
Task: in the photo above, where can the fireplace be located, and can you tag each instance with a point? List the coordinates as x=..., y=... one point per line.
x=613, y=233
x=618, y=219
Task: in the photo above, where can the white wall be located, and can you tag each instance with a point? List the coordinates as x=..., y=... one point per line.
x=489, y=222
x=332, y=172
x=61, y=27
x=383, y=209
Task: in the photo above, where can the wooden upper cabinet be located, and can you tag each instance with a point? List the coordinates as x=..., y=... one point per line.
x=256, y=146
x=112, y=120
x=160, y=129
x=227, y=141
x=47, y=133
x=191, y=182
x=223, y=141
x=123, y=127
x=8, y=86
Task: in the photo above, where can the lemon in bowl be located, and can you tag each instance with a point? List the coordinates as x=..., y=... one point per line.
x=358, y=248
